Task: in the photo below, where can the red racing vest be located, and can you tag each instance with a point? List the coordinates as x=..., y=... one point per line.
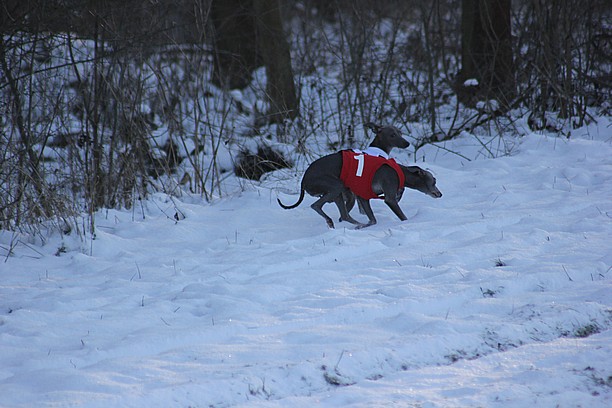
x=358, y=171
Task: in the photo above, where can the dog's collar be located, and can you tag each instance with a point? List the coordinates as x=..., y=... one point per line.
x=373, y=151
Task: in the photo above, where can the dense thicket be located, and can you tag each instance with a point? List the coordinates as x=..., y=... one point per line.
x=103, y=102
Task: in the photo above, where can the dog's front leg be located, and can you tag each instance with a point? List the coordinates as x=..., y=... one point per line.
x=361, y=209
x=394, y=206
x=367, y=209
x=344, y=215
x=349, y=199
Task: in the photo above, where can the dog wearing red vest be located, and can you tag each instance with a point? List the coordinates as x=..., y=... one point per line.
x=324, y=178
x=386, y=186
x=375, y=178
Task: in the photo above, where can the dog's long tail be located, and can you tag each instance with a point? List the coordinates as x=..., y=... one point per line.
x=299, y=201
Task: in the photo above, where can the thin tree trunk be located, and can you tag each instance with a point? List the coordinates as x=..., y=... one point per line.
x=277, y=58
x=236, y=52
x=486, y=51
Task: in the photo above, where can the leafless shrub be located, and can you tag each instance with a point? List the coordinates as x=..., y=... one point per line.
x=563, y=57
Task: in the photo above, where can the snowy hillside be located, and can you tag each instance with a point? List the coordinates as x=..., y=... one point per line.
x=499, y=294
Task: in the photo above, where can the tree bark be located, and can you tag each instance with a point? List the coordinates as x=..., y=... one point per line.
x=236, y=52
x=486, y=51
x=248, y=34
x=277, y=58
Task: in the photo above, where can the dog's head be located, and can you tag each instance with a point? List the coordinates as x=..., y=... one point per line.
x=387, y=137
x=421, y=180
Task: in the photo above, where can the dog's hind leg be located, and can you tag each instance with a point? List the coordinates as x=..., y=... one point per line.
x=318, y=207
x=335, y=196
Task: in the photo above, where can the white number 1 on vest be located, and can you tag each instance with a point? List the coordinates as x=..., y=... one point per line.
x=360, y=158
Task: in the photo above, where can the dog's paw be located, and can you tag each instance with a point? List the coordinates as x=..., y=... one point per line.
x=362, y=226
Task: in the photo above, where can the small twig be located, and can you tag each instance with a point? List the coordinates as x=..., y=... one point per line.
x=339, y=359
x=142, y=208
x=568, y=275
x=32, y=248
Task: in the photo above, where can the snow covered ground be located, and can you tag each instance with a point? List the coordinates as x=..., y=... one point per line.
x=499, y=294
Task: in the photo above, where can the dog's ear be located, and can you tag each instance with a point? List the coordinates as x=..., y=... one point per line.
x=414, y=170
x=373, y=127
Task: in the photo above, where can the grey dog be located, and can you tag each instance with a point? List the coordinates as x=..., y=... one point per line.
x=322, y=178
x=386, y=183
